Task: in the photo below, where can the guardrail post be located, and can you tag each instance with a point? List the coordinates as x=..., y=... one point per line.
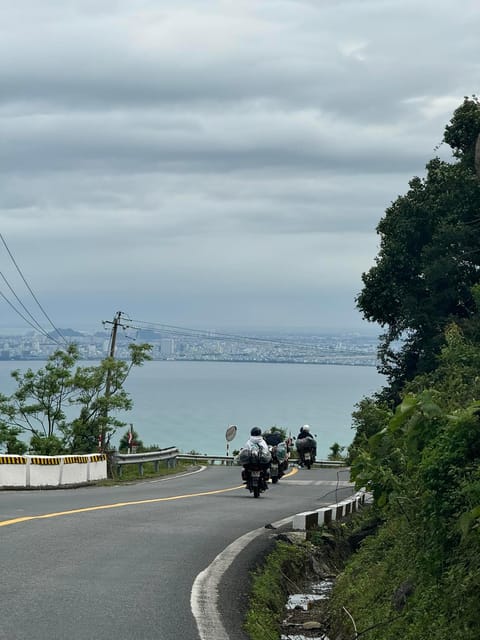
x=140, y=468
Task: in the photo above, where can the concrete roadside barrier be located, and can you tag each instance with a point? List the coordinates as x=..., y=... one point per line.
x=308, y=520
x=51, y=471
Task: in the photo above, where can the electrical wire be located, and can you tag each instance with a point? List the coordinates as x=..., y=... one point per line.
x=31, y=292
x=42, y=331
x=206, y=334
x=212, y=335
x=38, y=325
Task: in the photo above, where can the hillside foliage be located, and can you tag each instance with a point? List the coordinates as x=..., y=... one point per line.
x=417, y=442
x=429, y=258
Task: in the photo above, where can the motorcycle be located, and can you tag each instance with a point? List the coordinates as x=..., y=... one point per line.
x=255, y=477
x=255, y=471
x=308, y=458
x=279, y=464
x=306, y=448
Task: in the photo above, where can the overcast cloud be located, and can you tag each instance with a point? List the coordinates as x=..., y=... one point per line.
x=216, y=164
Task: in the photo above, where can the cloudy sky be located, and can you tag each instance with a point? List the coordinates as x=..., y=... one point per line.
x=215, y=163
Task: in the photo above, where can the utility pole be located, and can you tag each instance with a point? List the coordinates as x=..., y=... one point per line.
x=113, y=338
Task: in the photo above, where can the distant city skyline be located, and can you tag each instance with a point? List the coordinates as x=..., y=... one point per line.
x=339, y=348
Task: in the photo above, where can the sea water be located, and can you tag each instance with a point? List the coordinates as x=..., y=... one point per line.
x=190, y=405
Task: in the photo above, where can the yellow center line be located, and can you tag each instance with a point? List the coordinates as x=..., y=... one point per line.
x=6, y=523
x=116, y=505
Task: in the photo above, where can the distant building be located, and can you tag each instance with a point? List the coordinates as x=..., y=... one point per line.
x=167, y=346
x=91, y=351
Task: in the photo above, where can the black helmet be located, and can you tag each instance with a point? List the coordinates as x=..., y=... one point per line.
x=256, y=431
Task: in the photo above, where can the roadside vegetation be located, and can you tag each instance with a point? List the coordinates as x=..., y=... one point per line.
x=271, y=585
x=293, y=565
x=417, y=441
x=132, y=473
x=63, y=408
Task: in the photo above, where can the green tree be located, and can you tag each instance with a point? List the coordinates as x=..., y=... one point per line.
x=282, y=432
x=38, y=405
x=456, y=375
x=100, y=395
x=9, y=440
x=45, y=399
x=370, y=416
x=47, y=445
x=336, y=452
x=462, y=132
x=8, y=431
x=429, y=258
x=124, y=444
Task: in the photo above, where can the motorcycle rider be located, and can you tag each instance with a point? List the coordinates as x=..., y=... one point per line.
x=280, y=448
x=272, y=437
x=305, y=433
x=256, y=441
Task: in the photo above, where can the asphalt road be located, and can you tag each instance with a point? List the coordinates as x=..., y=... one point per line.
x=120, y=562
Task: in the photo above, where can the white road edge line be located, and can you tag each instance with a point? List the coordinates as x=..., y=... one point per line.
x=204, y=595
x=178, y=475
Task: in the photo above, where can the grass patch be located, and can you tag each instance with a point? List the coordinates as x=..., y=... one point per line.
x=290, y=566
x=131, y=472
x=271, y=585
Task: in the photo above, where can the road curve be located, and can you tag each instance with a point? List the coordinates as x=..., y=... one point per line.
x=121, y=562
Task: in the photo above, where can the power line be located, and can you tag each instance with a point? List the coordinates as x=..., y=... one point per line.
x=26, y=319
x=213, y=335
x=34, y=297
x=31, y=292
x=39, y=327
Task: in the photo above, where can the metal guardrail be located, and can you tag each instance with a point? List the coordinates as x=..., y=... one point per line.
x=330, y=463
x=206, y=458
x=322, y=463
x=169, y=454
x=233, y=460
